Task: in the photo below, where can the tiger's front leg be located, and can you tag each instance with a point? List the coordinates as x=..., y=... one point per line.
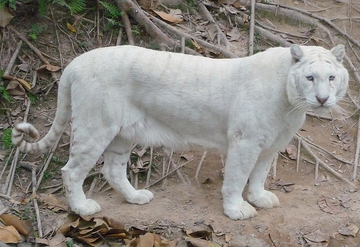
x=241, y=158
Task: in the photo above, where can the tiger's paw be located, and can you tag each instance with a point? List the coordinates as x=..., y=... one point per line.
x=85, y=208
x=141, y=197
x=240, y=212
x=266, y=199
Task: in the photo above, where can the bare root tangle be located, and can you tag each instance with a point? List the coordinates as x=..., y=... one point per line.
x=138, y=14
x=327, y=21
x=221, y=36
x=201, y=42
x=318, y=162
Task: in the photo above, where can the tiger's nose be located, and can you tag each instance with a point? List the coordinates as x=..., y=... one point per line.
x=322, y=100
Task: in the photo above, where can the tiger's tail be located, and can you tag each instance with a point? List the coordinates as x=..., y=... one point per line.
x=62, y=116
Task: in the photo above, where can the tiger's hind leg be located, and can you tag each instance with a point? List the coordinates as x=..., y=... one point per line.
x=83, y=156
x=117, y=155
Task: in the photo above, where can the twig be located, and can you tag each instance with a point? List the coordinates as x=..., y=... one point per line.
x=265, y=33
x=323, y=150
x=5, y=196
x=7, y=162
x=274, y=165
x=32, y=47
x=36, y=206
x=328, y=168
x=209, y=17
x=168, y=174
x=199, y=166
x=148, y=176
x=51, y=153
x=301, y=11
x=357, y=153
x=92, y=186
x=298, y=155
x=12, y=60
x=58, y=40
x=201, y=42
x=4, y=210
x=127, y=25
x=166, y=164
x=251, y=30
x=139, y=15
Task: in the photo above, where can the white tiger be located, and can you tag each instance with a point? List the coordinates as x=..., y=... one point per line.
x=248, y=108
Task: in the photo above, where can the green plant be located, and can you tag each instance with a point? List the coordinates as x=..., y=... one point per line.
x=112, y=14
x=4, y=94
x=6, y=139
x=74, y=6
x=32, y=97
x=35, y=30
x=10, y=3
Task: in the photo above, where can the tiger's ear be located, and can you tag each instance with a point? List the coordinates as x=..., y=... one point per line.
x=339, y=52
x=296, y=53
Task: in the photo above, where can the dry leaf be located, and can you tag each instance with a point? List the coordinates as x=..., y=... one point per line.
x=349, y=229
x=197, y=242
x=329, y=205
x=200, y=234
x=234, y=34
x=70, y=27
x=9, y=235
x=146, y=240
x=24, y=227
x=281, y=184
x=49, y=67
x=317, y=237
x=174, y=16
x=15, y=89
x=57, y=241
x=52, y=203
x=5, y=17
x=291, y=151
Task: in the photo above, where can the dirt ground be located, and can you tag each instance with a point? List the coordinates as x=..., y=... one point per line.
x=325, y=210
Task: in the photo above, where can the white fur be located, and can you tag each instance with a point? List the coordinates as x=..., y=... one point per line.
x=248, y=108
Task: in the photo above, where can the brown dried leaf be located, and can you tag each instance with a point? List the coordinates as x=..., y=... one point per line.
x=15, y=88
x=49, y=67
x=52, y=203
x=329, y=205
x=70, y=27
x=197, y=242
x=114, y=223
x=5, y=17
x=317, y=236
x=9, y=235
x=200, y=234
x=57, y=241
x=146, y=240
x=24, y=227
x=349, y=229
x=174, y=16
x=291, y=151
x=281, y=184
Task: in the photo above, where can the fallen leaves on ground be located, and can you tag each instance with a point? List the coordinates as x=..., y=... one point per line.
x=329, y=205
x=317, y=238
x=174, y=16
x=52, y=203
x=280, y=184
x=14, y=226
x=349, y=229
x=93, y=231
x=5, y=17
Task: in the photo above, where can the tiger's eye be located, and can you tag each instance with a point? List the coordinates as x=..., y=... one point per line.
x=310, y=78
x=331, y=78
